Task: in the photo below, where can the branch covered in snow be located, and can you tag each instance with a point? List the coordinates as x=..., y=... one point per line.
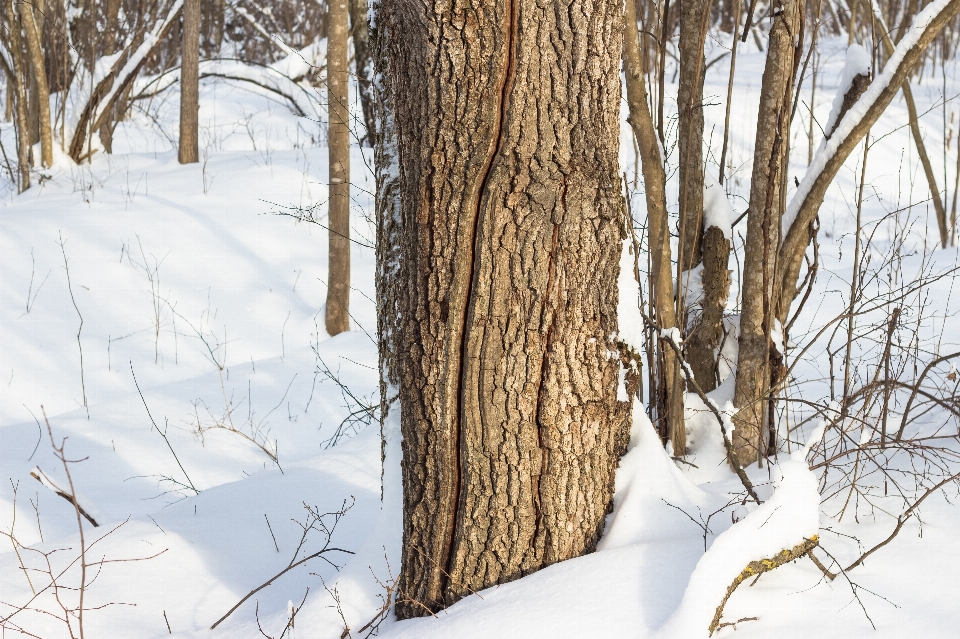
x=44, y=479
x=854, y=125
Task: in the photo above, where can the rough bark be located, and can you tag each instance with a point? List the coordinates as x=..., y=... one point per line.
x=508, y=134
x=338, y=143
x=763, y=230
x=813, y=188
x=654, y=181
x=363, y=63
x=20, y=90
x=190, y=83
x=707, y=335
x=388, y=277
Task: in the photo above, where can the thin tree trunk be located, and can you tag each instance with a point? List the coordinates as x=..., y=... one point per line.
x=190, y=83
x=363, y=63
x=22, y=121
x=35, y=51
x=694, y=17
x=338, y=142
x=508, y=135
x=763, y=231
x=654, y=182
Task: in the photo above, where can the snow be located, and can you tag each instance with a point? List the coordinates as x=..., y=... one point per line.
x=716, y=208
x=167, y=261
x=857, y=63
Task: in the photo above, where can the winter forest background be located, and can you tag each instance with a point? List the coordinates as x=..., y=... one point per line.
x=569, y=319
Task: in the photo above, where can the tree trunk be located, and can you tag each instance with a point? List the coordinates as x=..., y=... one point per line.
x=763, y=231
x=22, y=118
x=190, y=83
x=694, y=18
x=33, y=31
x=670, y=404
x=338, y=142
x=363, y=63
x=508, y=135
x=706, y=337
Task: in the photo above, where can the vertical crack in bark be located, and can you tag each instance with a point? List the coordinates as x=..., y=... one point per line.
x=551, y=271
x=502, y=94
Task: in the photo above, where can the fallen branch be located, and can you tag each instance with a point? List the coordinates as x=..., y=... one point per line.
x=44, y=479
x=757, y=568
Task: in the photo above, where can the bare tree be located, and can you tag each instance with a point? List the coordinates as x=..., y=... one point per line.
x=507, y=187
x=338, y=141
x=190, y=83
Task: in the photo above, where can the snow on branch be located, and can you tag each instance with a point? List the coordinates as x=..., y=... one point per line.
x=853, y=126
x=114, y=82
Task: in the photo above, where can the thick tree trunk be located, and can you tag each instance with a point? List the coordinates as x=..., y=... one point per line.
x=654, y=181
x=508, y=134
x=190, y=83
x=33, y=30
x=363, y=63
x=22, y=117
x=763, y=231
x=338, y=142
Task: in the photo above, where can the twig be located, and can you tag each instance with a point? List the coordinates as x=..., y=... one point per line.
x=162, y=434
x=66, y=266
x=312, y=521
x=42, y=477
x=270, y=528
x=709, y=403
x=902, y=519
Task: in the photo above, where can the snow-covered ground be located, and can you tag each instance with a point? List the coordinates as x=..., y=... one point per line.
x=191, y=326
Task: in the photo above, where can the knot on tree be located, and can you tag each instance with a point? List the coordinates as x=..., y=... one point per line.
x=857, y=88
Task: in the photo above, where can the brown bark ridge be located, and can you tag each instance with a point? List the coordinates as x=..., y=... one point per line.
x=670, y=404
x=338, y=144
x=33, y=30
x=20, y=90
x=190, y=83
x=763, y=229
x=509, y=245
x=813, y=188
x=363, y=63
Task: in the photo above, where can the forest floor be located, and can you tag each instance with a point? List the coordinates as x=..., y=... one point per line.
x=168, y=321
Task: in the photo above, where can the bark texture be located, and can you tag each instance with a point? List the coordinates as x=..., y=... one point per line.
x=763, y=229
x=706, y=337
x=670, y=402
x=507, y=130
x=338, y=143
x=190, y=84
